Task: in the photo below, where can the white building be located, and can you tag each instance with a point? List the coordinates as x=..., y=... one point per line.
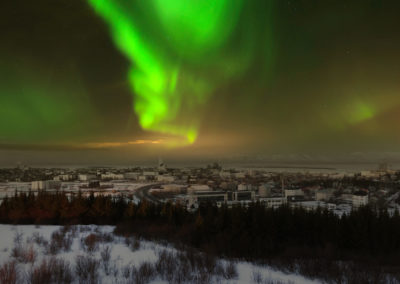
x=198, y=187
x=165, y=178
x=371, y=174
x=45, y=185
x=112, y=176
x=63, y=177
x=293, y=192
x=86, y=177
x=142, y=178
x=243, y=187
x=314, y=205
x=273, y=202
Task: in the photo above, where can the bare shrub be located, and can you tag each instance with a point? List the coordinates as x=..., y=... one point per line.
x=114, y=271
x=9, y=273
x=203, y=277
x=105, y=257
x=67, y=229
x=16, y=252
x=84, y=229
x=183, y=272
x=209, y=262
x=90, y=243
x=41, y=274
x=18, y=238
x=270, y=281
x=30, y=255
x=257, y=277
x=219, y=269
x=126, y=272
x=86, y=268
x=135, y=245
x=190, y=266
x=231, y=271
x=144, y=274
x=70, y=230
x=62, y=272
x=146, y=271
x=200, y=261
x=132, y=243
x=127, y=241
x=51, y=271
x=165, y=265
x=60, y=241
x=24, y=254
x=106, y=237
x=39, y=239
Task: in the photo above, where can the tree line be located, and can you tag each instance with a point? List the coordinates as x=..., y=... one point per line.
x=256, y=233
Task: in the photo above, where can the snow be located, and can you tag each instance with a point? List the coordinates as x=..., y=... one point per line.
x=121, y=254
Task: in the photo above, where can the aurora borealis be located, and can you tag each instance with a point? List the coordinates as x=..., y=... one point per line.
x=164, y=47
x=191, y=78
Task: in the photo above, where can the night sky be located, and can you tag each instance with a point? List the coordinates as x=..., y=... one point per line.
x=114, y=81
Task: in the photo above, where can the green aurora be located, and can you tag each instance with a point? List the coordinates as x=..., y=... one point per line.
x=125, y=78
x=174, y=36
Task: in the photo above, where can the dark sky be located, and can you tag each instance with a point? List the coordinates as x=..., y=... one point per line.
x=123, y=80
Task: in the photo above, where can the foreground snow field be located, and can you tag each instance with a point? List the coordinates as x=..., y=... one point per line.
x=93, y=254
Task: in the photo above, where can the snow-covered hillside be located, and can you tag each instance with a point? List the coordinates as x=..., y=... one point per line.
x=93, y=254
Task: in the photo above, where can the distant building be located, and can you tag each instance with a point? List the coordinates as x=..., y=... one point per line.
x=112, y=176
x=313, y=205
x=131, y=175
x=244, y=186
x=86, y=177
x=207, y=196
x=265, y=190
x=165, y=178
x=228, y=185
x=239, y=175
x=346, y=198
x=173, y=187
x=94, y=184
x=198, y=187
x=293, y=192
x=371, y=174
x=323, y=195
x=244, y=195
x=63, y=177
x=142, y=178
x=45, y=185
x=273, y=202
x=149, y=175
x=360, y=198
x=225, y=174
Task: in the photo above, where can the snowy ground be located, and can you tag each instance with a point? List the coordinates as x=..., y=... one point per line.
x=31, y=248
